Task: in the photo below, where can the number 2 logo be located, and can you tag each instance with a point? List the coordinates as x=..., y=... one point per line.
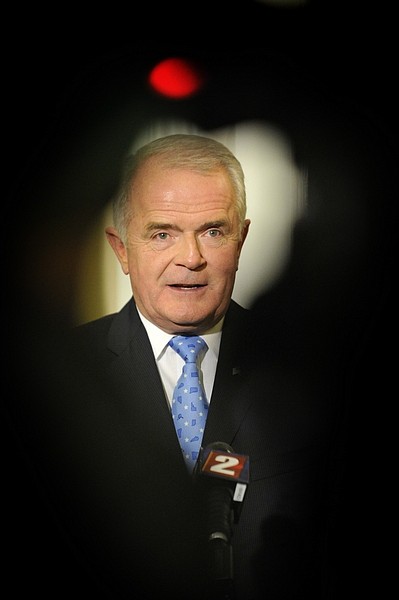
x=226, y=465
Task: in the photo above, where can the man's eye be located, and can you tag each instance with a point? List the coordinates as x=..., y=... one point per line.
x=214, y=233
x=162, y=235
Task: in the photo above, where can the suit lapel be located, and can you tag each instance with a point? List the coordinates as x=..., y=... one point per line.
x=229, y=402
x=135, y=374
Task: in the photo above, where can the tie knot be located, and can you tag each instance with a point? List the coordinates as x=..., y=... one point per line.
x=188, y=347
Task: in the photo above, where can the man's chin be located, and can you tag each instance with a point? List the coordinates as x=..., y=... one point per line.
x=193, y=323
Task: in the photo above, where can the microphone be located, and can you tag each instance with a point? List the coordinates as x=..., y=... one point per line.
x=224, y=477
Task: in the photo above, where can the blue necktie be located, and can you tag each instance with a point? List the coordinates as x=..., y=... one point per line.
x=189, y=403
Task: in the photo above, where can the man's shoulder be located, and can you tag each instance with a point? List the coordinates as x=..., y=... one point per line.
x=237, y=309
x=101, y=326
x=95, y=326
x=238, y=314
x=89, y=340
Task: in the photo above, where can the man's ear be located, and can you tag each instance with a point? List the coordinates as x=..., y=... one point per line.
x=118, y=247
x=243, y=235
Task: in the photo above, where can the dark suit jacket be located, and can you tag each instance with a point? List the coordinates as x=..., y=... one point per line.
x=134, y=520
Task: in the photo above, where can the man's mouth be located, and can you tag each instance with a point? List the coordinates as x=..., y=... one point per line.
x=186, y=286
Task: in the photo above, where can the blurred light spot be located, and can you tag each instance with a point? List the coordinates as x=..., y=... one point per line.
x=175, y=78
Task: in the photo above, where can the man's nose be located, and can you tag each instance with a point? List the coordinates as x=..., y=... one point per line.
x=189, y=253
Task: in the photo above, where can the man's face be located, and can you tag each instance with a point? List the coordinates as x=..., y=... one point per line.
x=183, y=247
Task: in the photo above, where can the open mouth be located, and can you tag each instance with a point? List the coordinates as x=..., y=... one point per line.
x=185, y=286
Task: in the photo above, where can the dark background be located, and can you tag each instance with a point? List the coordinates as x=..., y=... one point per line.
x=75, y=92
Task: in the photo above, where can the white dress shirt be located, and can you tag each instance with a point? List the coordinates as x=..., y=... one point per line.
x=170, y=363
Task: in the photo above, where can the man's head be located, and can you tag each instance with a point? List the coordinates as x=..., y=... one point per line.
x=179, y=229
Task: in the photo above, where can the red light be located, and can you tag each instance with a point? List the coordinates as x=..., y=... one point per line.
x=175, y=78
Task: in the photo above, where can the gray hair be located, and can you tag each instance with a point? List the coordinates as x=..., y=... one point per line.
x=180, y=150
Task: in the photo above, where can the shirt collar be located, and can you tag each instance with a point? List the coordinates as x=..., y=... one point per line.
x=159, y=339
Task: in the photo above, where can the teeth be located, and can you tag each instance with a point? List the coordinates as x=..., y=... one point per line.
x=183, y=285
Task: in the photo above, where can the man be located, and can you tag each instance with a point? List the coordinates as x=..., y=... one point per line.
x=179, y=228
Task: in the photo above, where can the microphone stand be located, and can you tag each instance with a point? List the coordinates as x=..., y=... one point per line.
x=223, y=477
x=220, y=528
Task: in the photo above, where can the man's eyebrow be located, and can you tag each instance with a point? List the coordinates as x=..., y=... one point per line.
x=155, y=225
x=214, y=224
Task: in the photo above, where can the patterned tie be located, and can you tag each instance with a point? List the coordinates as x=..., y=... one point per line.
x=189, y=404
